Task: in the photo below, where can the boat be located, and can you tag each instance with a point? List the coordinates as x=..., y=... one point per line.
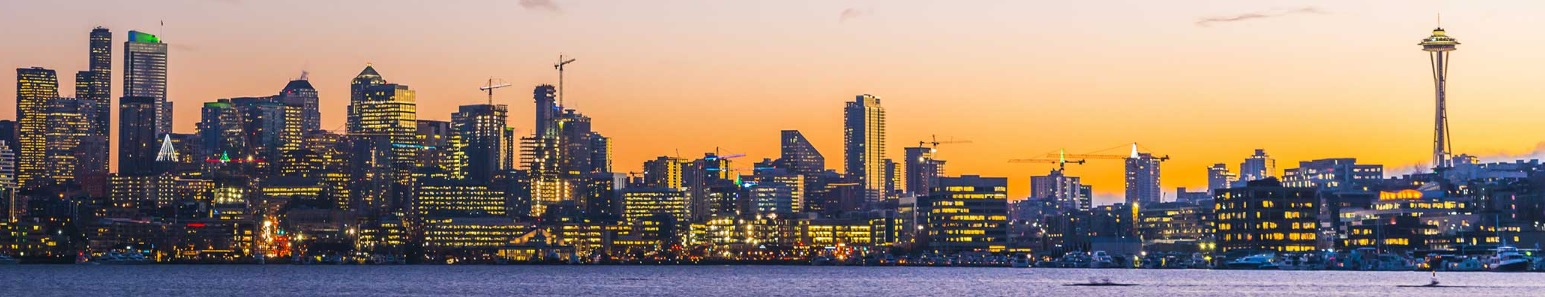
x=116, y=258
x=1464, y=264
x=1509, y=259
x=1388, y=262
x=1020, y=261
x=1258, y=261
x=7, y=260
x=1100, y=259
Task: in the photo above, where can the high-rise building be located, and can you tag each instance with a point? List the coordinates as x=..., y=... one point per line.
x=664, y=172
x=1068, y=192
x=1257, y=167
x=968, y=213
x=384, y=141
x=1143, y=178
x=1218, y=177
x=137, y=139
x=922, y=170
x=221, y=130
x=798, y=155
x=8, y=182
x=562, y=153
x=67, y=126
x=481, y=127
x=93, y=88
x=864, y=145
x=1438, y=46
x=144, y=67
x=711, y=187
x=35, y=88
x=300, y=93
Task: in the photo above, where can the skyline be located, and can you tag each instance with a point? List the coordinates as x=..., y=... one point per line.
x=610, y=85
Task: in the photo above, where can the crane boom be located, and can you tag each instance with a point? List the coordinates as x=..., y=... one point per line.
x=490, y=88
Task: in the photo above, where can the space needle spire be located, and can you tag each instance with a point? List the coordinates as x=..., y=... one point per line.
x=1438, y=47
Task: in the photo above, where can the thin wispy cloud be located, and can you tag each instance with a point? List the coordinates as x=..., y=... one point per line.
x=1209, y=21
x=546, y=5
x=851, y=13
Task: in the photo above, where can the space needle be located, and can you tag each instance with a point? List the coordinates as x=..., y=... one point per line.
x=1438, y=47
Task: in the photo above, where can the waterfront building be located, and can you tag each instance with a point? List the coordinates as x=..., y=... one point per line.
x=968, y=213
x=646, y=202
x=1265, y=215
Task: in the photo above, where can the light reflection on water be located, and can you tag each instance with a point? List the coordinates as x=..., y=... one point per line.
x=414, y=280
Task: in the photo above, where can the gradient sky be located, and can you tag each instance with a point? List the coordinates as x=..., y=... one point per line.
x=1310, y=79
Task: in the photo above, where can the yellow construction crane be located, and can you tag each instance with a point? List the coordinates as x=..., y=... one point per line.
x=490, y=88
x=936, y=143
x=1134, y=155
x=1061, y=160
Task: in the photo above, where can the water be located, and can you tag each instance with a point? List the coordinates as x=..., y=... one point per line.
x=415, y=280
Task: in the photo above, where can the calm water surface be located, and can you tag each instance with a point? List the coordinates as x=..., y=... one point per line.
x=287, y=280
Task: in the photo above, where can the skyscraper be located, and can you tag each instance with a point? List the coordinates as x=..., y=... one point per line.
x=1068, y=192
x=384, y=142
x=1257, y=167
x=220, y=130
x=300, y=93
x=66, y=126
x=664, y=172
x=798, y=155
x=1143, y=178
x=481, y=128
x=864, y=145
x=144, y=65
x=1437, y=47
x=1218, y=177
x=93, y=88
x=922, y=170
x=137, y=141
x=35, y=88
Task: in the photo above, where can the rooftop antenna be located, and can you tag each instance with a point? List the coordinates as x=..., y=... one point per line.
x=561, y=62
x=490, y=88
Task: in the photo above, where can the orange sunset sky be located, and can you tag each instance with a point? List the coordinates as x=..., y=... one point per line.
x=1301, y=79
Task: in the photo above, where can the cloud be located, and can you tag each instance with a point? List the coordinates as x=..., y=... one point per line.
x=851, y=13
x=547, y=5
x=1208, y=21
